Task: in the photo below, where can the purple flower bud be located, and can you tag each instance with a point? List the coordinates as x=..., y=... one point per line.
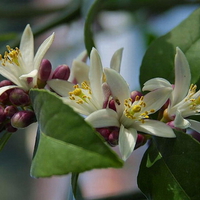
x=10, y=110
x=111, y=105
x=2, y=114
x=114, y=136
x=6, y=83
x=23, y=119
x=10, y=128
x=44, y=70
x=61, y=72
x=19, y=97
x=105, y=132
x=141, y=140
x=135, y=95
x=4, y=97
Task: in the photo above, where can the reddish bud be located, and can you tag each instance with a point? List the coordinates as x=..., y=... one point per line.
x=111, y=105
x=2, y=114
x=105, y=132
x=10, y=110
x=6, y=83
x=19, y=97
x=10, y=128
x=61, y=72
x=44, y=70
x=135, y=95
x=23, y=119
x=141, y=140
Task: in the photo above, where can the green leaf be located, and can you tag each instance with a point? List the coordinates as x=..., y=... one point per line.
x=4, y=139
x=170, y=169
x=67, y=143
x=159, y=57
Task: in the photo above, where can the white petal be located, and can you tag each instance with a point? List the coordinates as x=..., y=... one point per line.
x=156, y=99
x=32, y=74
x=182, y=77
x=195, y=125
x=115, y=62
x=127, y=141
x=119, y=88
x=82, y=56
x=180, y=122
x=155, y=127
x=79, y=71
x=156, y=83
x=27, y=47
x=4, y=88
x=103, y=118
x=61, y=87
x=42, y=51
x=96, y=75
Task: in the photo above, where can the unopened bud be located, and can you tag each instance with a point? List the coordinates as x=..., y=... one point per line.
x=113, y=137
x=19, y=97
x=2, y=114
x=6, y=83
x=105, y=132
x=61, y=72
x=141, y=140
x=111, y=105
x=10, y=128
x=135, y=95
x=44, y=70
x=23, y=119
x=10, y=110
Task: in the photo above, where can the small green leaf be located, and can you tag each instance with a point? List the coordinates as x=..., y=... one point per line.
x=67, y=143
x=4, y=139
x=159, y=57
x=170, y=169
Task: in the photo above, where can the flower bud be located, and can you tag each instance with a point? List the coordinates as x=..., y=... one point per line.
x=111, y=105
x=113, y=137
x=23, y=119
x=135, y=95
x=6, y=83
x=19, y=97
x=10, y=110
x=141, y=140
x=105, y=132
x=10, y=128
x=44, y=70
x=2, y=114
x=61, y=72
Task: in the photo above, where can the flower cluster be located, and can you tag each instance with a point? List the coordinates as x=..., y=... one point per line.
x=99, y=94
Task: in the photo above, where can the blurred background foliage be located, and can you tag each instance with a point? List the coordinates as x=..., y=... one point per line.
x=46, y=17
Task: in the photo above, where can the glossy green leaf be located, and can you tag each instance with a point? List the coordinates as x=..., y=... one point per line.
x=67, y=143
x=159, y=57
x=170, y=169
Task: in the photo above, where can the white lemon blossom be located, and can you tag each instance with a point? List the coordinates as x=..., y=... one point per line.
x=184, y=100
x=91, y=93
x=131, y=116
x=19, y=65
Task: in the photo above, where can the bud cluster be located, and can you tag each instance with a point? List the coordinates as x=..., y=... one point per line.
x=15, y=109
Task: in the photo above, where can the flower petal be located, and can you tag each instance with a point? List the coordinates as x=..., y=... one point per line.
x=180, y=122
x=96, y=75
x=103, y=118
x=182, y=77
x=115, y=62
x=61, y=87
x=4, y=88
x=42, y=51
x=154, y=127
x=156, y=99
x=119, y=88
x=127, y=141
x=79, y=71
x=27, y=47
x=195, y=125
x=155, y=83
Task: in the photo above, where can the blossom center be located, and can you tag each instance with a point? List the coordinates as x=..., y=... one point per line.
x=11, y=56
x=135, y=110
x=81, y=93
